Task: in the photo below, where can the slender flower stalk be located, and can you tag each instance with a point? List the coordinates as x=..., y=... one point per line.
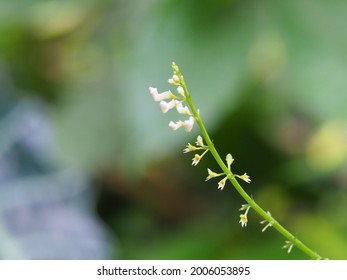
x=194, y=117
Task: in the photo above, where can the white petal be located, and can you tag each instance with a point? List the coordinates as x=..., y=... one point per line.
x=181, y=109
x=175, y=125
x=188, y=124
x=166, y=106
x=154, y=93
x=180, y=90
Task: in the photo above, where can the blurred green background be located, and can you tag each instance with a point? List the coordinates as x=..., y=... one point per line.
x=269, y=78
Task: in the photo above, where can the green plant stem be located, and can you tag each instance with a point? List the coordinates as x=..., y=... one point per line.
x=266, y=215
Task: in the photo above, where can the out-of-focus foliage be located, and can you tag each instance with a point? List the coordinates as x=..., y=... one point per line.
x=44, y=208
x=268, y=78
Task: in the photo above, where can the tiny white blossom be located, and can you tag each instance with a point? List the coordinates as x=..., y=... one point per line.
x=175, y=125
x=229, y=160
x=160, y=96
x=244, y=177
x=180, y=90
x=190, y=148
x=243, y=217
x=268, y=224
x=181, y=109
x=175, y=78
x=196, y=159
x=199, y=141
x=166, y=106
x=221, y=183
x=188, y=124
x=243, y=220
x=244, y=207
x=212, y=174
x=154, y=93
x=289, y=246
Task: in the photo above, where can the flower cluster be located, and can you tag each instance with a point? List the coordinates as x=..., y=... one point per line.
x=199, y=146
x=229, y=160
x=174, y=101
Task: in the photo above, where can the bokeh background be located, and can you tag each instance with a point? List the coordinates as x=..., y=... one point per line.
x=89, y=168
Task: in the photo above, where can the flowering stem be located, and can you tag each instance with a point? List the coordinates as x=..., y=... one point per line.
x=266, y=215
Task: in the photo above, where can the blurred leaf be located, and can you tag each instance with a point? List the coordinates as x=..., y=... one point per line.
x=322, y=236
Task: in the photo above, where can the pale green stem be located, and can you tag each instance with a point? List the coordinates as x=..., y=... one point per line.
x=275, y=224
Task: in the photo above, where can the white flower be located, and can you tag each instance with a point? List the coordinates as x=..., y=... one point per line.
x=289, y=245
x=243, y=217
x=181, y=109
x=174, y=80
x=199, y=141
x=190, y=148
x=244, y=177
x=188, y=124
x=269, y=224
x=229, y=160
x=166, y=106
x=244, y=207
x=180, y=90
x=175, y=125
x=243, y=220
x=160, y=96
x=154, y=93
x=212, y=174
x=196, y=159
x=221, y=183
